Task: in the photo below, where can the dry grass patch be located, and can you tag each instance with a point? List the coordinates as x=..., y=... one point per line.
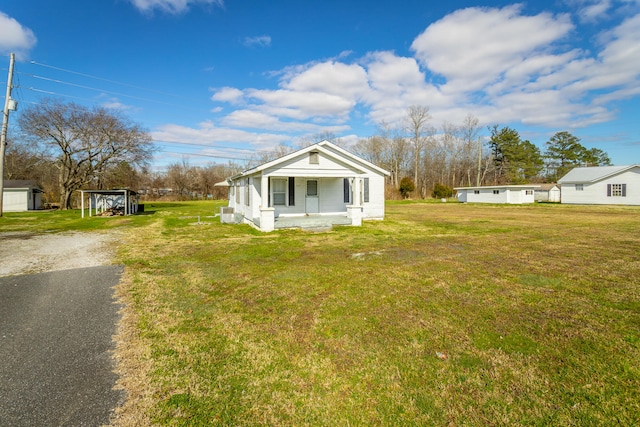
x=443, y=314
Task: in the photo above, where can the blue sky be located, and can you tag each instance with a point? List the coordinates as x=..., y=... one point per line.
x=214, y=80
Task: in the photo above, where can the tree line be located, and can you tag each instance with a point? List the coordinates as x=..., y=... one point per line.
x=425, y=161
x=66, y=147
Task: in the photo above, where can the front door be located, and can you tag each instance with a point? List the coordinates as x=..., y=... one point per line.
x=312, y=199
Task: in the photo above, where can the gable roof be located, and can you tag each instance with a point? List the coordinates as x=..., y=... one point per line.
x=22, y=184
x=594, y=173
x=506, y=186
x=325, y=147
x=548, y=186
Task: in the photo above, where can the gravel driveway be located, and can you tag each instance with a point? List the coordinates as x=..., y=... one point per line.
x=58, y=317
x=28, y=253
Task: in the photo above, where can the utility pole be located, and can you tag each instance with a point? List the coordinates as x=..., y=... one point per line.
x=479, y=161
x=9, y=104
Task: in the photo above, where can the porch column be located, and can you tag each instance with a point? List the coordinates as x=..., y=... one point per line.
x=264, y=191
x=354, y=210
x=267, y=219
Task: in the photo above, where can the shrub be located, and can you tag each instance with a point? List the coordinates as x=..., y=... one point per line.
x=406, y=186
x=441, y=191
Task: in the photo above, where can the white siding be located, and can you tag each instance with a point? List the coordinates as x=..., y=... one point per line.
x=596, y=193
x=15, y=201
x=374, y=209
x=494, y=194
x=301, y=167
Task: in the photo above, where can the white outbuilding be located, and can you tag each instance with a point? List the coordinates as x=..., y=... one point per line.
x=548, y=193
x=602, y=185
x=318, y=186
x=511, y=194
x=21, y=196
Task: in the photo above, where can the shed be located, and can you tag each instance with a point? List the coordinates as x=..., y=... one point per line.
x=511, y=194
x=548, y=193
x=115, y=202
x=317, y=186
x=21, y=196
x=602, y=185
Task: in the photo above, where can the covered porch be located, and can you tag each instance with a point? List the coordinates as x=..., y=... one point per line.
x=306, y=201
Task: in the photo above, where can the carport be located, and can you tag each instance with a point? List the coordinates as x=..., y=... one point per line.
x=120, y=202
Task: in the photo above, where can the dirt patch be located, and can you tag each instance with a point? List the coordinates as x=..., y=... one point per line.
x=28, y=253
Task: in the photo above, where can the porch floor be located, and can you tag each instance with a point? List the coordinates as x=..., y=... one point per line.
x=312, y=221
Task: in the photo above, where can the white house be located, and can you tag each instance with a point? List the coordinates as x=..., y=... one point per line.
x=548, y=193
x=512, y=194
x=320, y=185
x=21, y=196
x=602, y=185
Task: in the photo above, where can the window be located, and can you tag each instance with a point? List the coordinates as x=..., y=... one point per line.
x=496, y=191
x=237, y=189
x=346, y=190
x=312, y=188
x=365, y=189
x=476, y=191
x=246, y=192
x=292, y=191
x=279, y=191
x=579, y=187
x=528, y=192
x=314, y=158
x=617, y=190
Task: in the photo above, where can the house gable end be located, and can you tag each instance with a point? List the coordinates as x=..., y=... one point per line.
x=589, y=175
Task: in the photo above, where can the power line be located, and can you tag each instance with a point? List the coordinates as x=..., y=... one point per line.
x=204, y=146
x=101, y=90
x=208, y=155
x=103, y=79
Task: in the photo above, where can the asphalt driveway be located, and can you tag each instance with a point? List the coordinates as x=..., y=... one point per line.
x=56, y=329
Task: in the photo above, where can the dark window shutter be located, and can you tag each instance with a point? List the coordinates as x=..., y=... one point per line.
x=366, y=190
x=292, y=191
x=346, y=189
x=608, y=190
x=624, y=190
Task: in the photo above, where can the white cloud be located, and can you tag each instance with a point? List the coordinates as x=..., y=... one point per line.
x=396, y=83
x=250, y=119
x=171, y=6
x=303, y=105
x=499, y=64
x=228, y=94
x=260, y=41
x=207, y=133
x=14, y=37
x=348, y=81
x=592, y=10
x=473, y=47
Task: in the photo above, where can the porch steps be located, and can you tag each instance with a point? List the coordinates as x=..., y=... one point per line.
x=312, y=221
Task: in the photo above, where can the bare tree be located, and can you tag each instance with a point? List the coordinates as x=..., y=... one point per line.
x=472, y=146
x=416, y=126
x=308, y=140
x=84, y=142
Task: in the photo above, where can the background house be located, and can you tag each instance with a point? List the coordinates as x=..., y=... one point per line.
x=320, y=185
x=511, y=194
x=602, y=185
x=548, y=193
x=21, y=195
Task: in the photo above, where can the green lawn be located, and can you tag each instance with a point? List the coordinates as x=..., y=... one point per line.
x=442, y=314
